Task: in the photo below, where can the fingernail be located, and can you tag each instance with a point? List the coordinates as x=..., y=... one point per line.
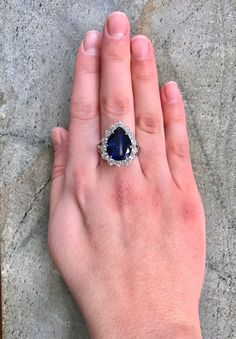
x=92, y=42
x=140, y=47
x=171, y=91
x=56, y=137
x=117, y=25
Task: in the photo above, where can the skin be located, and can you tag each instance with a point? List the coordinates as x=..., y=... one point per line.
x=129, y=242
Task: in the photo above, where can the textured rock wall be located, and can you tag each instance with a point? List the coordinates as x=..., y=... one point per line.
x=195, y=45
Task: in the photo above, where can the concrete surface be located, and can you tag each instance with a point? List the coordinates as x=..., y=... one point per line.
x=195, y=45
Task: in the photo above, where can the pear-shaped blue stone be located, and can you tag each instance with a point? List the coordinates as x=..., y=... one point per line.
x=119, y=145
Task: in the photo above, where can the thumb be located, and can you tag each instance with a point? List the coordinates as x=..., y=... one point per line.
x=59, y=137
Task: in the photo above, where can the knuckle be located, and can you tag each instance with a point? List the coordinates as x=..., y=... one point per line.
x=115, y=56
x=117, y=51
x=57, y=171
x=85, y=66
x=79, y=179
x=115, y=104
x=82, y=110
x=174, y=113
x=80, y=184
x=149, y=124
x=190, y=211
x=179, y=149
x=142, y=72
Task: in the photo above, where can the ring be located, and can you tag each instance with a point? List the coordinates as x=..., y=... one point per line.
x=118, y=147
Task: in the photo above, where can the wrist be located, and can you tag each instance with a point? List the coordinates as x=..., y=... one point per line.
x=171, y=331
x=172, y=324
x=180, y=332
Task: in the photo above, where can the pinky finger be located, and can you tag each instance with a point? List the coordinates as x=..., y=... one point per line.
x=60, y=141
x=177, y=145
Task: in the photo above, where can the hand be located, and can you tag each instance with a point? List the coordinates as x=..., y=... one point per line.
x=130, y=241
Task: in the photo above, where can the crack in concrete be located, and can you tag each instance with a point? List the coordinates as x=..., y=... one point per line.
x=34, y=140
x=31, y=205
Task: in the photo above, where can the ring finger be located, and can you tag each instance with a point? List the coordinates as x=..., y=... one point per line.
x=148, y=110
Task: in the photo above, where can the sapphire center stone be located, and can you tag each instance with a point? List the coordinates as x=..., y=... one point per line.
x=119, y=145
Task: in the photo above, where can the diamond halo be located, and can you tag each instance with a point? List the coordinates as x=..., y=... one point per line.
x=102, y=146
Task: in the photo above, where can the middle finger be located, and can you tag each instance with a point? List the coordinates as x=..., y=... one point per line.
x=116, y=97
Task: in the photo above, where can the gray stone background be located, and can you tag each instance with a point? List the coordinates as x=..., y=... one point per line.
x=195, y=45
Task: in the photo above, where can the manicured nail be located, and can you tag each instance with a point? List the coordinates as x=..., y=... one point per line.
x=117, y=25
x=56, y=137
x=140, y=47
x=92, y=43
x=171, y=91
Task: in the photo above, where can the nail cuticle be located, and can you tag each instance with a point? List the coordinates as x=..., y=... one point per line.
x=140, y=47
x=117, y=25
x=91, y=43
x=171, y=92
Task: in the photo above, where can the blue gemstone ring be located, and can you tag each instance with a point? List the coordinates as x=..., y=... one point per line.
x=118, y=147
